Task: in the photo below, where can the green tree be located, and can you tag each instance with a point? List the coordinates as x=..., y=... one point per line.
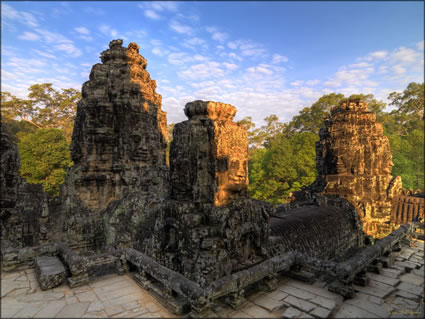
x=411, y=101
x=404, y=127
x=170, y=139
x=45, y=108
x=285, y=166
x=310, y=119
x=45, y=158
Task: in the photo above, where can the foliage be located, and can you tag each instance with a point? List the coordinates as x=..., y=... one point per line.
x=45, y=158
x=45, y=108
x=411, y=101
x=285, y=166
x=170, y=139
x=282, y=155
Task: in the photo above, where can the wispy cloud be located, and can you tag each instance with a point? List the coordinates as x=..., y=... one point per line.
x=29, y=36
x=160, y=5
x=180, y=28
x=21, y=16
x=179, y=58
x=45, y=54
x=82, y=30
x=152, y=15
x=277, y=58
x=69, y=48
x=108, y=31
x=216, y=35
x=203, y=70
x=248, y=48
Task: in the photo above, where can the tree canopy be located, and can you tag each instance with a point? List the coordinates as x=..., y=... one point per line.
x=45, y=158
x=45, y=108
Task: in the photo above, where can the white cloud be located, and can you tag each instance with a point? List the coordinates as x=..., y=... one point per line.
x=297, y=83
x=180, y=28
x=86, y=37
x=29, y=36
x=232, y=45
x=152, y=14
x=216, y=35
x=195, y=41
x=52, y=37
x=398, y=69
x=312, y=82
x=360, y=65
x=252, y=49
x=159, y=52
x=277, y=58
x=82, y=30
x=405, y=56
x=69, y=48
x=160, y=5
x=21, y=16
x=200, y=58
x=420, y=45
x=383, y=69
x=108, y=31
x=234, y=56
x=178, y=58
x=378, y=54
x=260, y=69
x=156, y=42
x=45, y=54
x=354, y=77
x=202, y=71
x=230, y=66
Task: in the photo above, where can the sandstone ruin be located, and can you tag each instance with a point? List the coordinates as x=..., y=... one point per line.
x=189, y=233
x=354, y=161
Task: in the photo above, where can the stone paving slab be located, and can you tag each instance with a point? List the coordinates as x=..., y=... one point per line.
x=349, y=311
x=412, y=279
x=381, y=311
x=114, y=296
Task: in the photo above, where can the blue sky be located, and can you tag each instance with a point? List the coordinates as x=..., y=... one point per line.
x=262, y=57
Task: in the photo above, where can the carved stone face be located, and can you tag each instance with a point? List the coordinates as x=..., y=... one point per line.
x=234, y=180
x=139, y=147
x=237, y=175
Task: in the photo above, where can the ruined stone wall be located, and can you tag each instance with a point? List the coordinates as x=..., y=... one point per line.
x=407, y=208
x=24, y=213
x=354, y=161
x=209, y=228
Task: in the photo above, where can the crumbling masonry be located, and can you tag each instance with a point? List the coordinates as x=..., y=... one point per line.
x=189, y=232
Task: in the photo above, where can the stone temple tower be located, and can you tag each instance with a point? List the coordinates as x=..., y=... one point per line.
x=118, y=143
x=354, y=161
x=209, y=227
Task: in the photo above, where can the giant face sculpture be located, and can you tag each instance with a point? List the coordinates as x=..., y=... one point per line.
x=232, y=151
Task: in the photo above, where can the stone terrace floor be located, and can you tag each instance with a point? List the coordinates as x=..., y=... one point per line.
x=394, y=293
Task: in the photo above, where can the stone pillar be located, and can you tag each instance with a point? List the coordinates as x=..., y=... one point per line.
x=209, y=227
x=209, y=155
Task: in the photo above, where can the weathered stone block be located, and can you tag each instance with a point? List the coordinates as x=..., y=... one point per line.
x=50, y=272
